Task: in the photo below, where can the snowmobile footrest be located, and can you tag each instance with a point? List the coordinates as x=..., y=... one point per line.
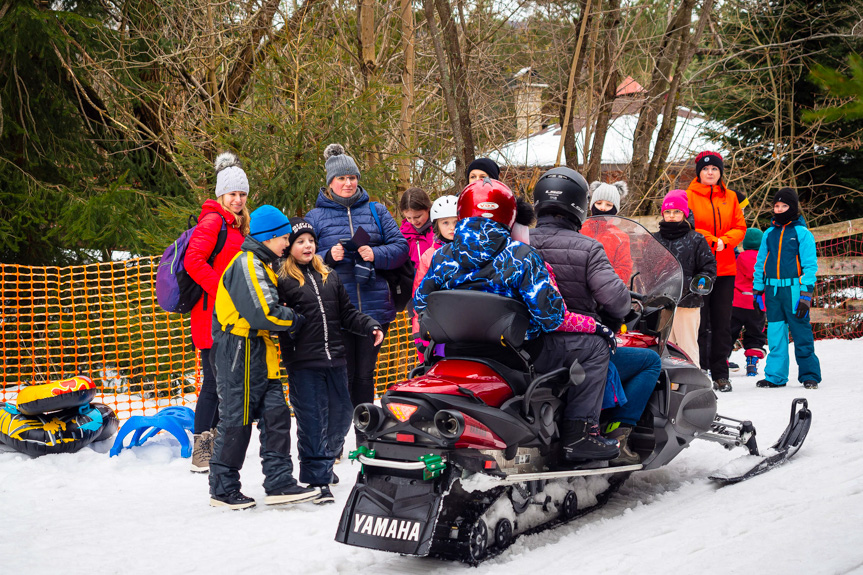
x=522, y=477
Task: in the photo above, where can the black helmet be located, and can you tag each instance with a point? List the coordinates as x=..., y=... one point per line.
x=561, y=191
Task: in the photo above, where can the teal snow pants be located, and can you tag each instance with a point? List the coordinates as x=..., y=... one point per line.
x=781, y=318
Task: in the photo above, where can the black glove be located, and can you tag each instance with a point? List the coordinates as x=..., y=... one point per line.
x=803, y=304
x=299, y=320
x=758, y=300
x=611, y=323
x=608, y=334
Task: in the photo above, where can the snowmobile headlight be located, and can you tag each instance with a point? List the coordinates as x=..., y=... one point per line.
x=368, y=417
x=449, y=423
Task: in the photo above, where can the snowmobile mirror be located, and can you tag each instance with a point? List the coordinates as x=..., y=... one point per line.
x=576, y=373
x=701, y=285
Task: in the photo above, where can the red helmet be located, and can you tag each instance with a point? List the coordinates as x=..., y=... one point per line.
x=488, y=198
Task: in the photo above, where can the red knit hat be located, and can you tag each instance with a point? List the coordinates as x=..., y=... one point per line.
x=705, y=159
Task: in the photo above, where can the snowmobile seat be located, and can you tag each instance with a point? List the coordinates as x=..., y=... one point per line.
x=469, y=316
x=482, y=327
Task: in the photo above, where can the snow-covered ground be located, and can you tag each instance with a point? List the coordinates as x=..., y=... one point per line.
x=144, y=512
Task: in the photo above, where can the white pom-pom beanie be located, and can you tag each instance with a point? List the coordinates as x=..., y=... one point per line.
x=609, y=192
x=230, y=177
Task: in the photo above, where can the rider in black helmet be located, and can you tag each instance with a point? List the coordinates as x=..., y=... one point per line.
x=586, y=279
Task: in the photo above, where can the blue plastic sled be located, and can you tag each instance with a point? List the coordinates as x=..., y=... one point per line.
x=176, y=420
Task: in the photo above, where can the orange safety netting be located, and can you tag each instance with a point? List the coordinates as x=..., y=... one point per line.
x=102, y=321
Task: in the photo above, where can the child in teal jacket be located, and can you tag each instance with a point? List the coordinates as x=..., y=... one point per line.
x=784, y=280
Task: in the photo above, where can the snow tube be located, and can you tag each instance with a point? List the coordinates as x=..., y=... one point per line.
x=64, y=431
x=73, y=392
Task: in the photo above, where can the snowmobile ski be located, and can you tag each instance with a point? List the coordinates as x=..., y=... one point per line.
x=789, y=443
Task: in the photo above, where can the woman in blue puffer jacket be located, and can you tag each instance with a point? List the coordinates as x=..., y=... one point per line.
x=342, y=208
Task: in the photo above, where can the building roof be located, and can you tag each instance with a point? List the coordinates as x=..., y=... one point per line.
x=540, y=149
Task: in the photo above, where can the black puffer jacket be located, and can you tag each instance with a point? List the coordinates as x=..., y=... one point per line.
x=584, y=274
x=327, y=310
x=695, y=257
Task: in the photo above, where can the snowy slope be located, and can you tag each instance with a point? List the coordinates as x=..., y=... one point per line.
x=143, y=512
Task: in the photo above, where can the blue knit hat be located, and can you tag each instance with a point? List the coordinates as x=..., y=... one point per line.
x=268, y=222
x=752, y=239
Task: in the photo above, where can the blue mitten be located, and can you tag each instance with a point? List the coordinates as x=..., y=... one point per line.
x=758, y=300
x=803, y=304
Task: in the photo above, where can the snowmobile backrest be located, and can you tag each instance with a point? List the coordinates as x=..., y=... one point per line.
x=469, y=316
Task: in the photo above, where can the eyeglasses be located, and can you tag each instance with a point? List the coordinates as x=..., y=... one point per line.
x=673, y=212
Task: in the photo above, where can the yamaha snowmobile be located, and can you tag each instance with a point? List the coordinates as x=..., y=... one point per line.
x=464, y=456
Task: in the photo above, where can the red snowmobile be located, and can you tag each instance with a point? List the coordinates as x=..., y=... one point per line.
x=464, y=456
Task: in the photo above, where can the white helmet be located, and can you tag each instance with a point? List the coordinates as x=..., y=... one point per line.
x=444, y=207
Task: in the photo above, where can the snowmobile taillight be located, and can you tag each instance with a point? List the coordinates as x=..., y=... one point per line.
x=402, y=411
x=405, y=437
x=490, y=464
x=368, y=417
x=476, y=434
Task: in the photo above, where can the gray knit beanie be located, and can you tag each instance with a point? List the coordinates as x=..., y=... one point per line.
x=338, y=163
x=609, y=192
x=230, y=176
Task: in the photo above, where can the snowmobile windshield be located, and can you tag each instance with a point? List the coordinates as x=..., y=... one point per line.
x=656, y=273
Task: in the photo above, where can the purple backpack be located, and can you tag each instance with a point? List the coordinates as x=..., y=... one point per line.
x=176, y=291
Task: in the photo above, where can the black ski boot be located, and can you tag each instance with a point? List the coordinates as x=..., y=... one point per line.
x=722, y=385
x=581, y=441
x=234, y=500
x=292, y=494
x=326, y=496
x=766, y=383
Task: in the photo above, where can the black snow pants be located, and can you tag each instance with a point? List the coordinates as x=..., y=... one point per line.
x=245, y=394
x=751, y=321
x=714, y=333
x=560, y=349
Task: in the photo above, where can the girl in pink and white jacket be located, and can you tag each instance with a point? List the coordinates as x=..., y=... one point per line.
x=416, y=227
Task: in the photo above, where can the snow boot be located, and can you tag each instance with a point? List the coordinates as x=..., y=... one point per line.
x=580, y=442
x=752, y=366
x=234, y=500
x=325, y=496
x=733, y=366
x=202, y=451
x=810, y=384
x=765, y=383
x=621, y=434
x=292, y=494
x=335, y=479
x=722, y=385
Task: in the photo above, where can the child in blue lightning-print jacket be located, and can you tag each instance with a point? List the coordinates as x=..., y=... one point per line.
x=783, y=283
x=484, y=257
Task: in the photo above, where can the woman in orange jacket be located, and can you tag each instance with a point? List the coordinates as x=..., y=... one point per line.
x=719, y=218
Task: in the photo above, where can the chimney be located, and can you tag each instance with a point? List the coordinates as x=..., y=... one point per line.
x=528, y=103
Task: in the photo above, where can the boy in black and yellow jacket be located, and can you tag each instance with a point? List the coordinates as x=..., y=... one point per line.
x=247, y=368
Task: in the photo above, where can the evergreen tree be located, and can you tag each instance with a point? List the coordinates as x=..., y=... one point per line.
x=76, y=186
x=760, y=88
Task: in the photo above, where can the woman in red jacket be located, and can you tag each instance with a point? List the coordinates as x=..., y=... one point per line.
x=225, y=217
x=719, y=218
